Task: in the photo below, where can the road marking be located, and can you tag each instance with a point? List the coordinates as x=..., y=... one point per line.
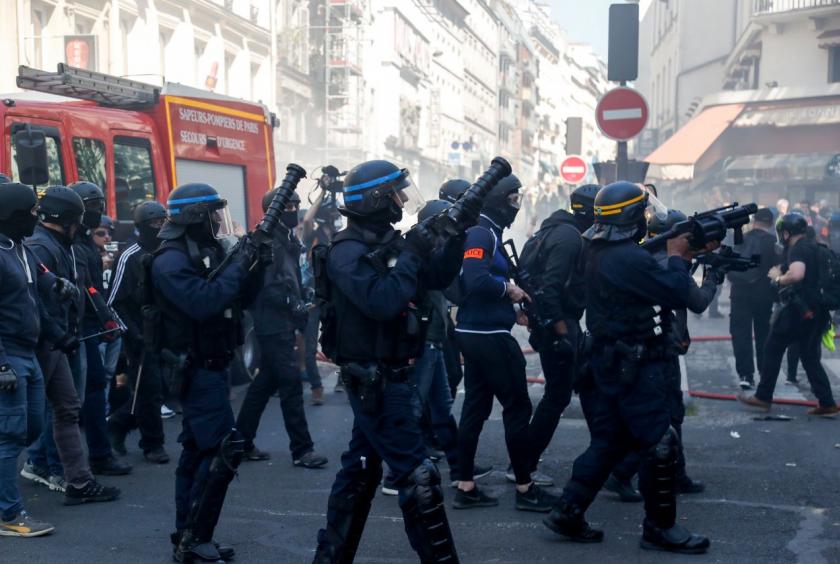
x=628, y=113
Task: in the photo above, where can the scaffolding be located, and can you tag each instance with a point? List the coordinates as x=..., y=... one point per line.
x=343, y=81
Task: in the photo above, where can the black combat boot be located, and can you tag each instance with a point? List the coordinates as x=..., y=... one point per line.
x=625, y=490
x=190, y=549
x=226, y=551
x=566, y=519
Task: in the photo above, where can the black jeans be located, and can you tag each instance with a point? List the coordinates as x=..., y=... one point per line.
x=146, y=416
x=788, y=327
x=494, y=367
x=750, y=315
x=278, y=371
x=94, y=405
x=559, y=373
x=452, y=358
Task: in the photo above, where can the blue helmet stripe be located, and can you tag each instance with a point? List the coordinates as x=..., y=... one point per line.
x=375, y=182
x=197, y=199
x=353, y=198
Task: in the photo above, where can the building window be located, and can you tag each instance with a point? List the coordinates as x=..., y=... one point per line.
x=834, y=64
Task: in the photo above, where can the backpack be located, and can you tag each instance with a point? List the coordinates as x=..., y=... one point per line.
x=829, y=279
x=529, y=259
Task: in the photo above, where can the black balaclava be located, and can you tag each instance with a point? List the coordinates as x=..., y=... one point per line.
x=204, y=233
x=92, y=218
x=289, y=219
x=19, y=226
x=148, y=237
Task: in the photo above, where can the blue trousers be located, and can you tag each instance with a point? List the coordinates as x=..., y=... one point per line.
x=21, y=421
x=430, y=380
x=207, y=419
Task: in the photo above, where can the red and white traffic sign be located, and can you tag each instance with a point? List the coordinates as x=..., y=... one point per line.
x=622, y=113
x=574, y=169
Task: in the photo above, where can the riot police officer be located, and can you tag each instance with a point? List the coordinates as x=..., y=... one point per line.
x=126, y=297
x=372, y=329
x=552, y=259
x=198, y=331
x=699, y=299
x=629, y=295
x=97, y=318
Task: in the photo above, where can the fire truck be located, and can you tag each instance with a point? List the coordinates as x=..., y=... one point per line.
x=138, y=141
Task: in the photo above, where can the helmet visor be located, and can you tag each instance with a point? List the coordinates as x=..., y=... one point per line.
x=221, y=223
x=655, y=209
x=408, y=196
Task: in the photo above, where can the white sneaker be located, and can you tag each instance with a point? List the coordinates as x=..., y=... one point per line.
x=35, y=474
x=166, y=413
x=57, y=484
x=745, y=385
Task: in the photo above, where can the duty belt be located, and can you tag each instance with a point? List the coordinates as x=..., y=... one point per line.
x=352, y=373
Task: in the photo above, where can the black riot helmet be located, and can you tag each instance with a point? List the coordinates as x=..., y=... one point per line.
x=452, y=189
x=147, y=212
x=657, y=226
x=582, y=200
x=432, y=208
x=198, y=207
x=17, y=203
x=792, y=224
x=378, y=191
x=503, y=202
x=619, y=212
x=94, y=200
x=60, y=205
x=269, y=197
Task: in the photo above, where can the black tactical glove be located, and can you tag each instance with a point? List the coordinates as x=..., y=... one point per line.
x=8, y=379
x=66, y=344
x=420, y=240
x=66, y=290
x=265, y=254
x=247, y=253
x=716, y=275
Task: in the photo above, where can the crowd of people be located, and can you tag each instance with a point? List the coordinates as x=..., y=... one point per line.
x=118, y=336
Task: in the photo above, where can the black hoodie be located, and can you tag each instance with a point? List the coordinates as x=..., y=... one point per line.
x=554, y=266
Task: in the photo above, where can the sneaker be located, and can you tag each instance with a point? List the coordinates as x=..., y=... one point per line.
x=254, y=454
x=166, y=413
x=789, y=382
x=473, y=498
x=91, y=492
x=535, y=499
x=310, y=460
x=434, y=454
x=745, y=385
x=58, y=484
x=676, y=539
x=479, y=472
x=339, y=386
x=156, y=456
x=753, y=401
x=537, y=477
x=625, y=490
x=36, y=474
x=318, y=396
x=824, y=411
x=22, y=525
x=389, y=487
x=109, y=466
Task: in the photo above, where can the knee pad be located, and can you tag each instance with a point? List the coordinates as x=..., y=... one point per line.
x=423, y=487
x=667, y=449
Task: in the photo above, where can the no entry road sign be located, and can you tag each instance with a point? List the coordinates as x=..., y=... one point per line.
x=622, y=114
x=573, y=169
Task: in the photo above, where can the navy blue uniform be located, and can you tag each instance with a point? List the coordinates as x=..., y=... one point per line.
x=207, y=415
x=372, y=297
x=625, y=416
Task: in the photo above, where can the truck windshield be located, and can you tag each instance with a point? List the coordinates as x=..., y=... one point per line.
x=90, y=161
x=134, y=179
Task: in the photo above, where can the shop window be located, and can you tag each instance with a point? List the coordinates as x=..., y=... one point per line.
x=90, y=160
x=834, y=64
x=134, y=179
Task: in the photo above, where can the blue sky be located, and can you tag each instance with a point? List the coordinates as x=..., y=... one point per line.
x=586, y=21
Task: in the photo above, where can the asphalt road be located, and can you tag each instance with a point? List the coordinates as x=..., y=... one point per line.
x=773, y=493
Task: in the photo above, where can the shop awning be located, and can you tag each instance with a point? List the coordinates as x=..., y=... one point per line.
x=758, y=169
x=789, y=115
x=829, y=39
x=675, y=159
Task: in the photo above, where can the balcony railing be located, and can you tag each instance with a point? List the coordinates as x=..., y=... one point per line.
x=764, y=7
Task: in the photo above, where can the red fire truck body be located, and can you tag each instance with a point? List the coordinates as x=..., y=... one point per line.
x=138, y=142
